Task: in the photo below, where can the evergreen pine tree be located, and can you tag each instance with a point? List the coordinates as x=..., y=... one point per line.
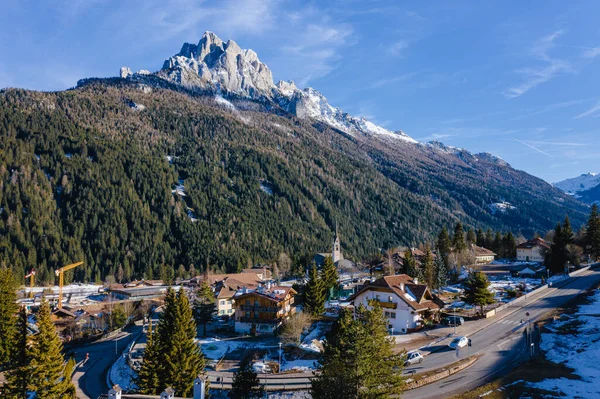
x=8, y=311
x=443, y=243
x=329, y=276
x=489, y=238
x=556, y=257
x=471, y=237
x=314, y=296
x=17, y=378
x=48, y=371
x=567, y=232
x=441, y=273
x=458, y=240
x=429, y=268
x=183, y=359
x=480, y=238
x=476, y=290
x=497, y=245
x=246, y=384
x=592, y=234
x=148, y=380
x=358, y=360
x=204, y=305
x=509, y=245
x=410, y=264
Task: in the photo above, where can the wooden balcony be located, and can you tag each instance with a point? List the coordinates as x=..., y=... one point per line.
x=385, y=305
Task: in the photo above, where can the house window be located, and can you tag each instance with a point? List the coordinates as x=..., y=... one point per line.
x=229, y=311
x=393, y=315
x=247, y=314
x=222, y=303
x=256, y=303
x=390, y=298
x=221, y=312
x=377, y=296
x=387, y=314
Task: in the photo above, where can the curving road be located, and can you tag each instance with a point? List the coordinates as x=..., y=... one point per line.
x=90, y=376
x=500, y=342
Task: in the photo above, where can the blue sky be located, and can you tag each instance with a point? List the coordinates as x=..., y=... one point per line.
x=517, y=79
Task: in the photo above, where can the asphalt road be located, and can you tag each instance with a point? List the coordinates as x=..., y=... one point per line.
x=90, y=377
x=501, y=344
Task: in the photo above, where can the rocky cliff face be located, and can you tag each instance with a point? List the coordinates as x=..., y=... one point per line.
x=229, y=70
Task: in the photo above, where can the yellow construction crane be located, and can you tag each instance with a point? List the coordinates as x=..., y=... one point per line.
x=60, y=273
x=31, y=277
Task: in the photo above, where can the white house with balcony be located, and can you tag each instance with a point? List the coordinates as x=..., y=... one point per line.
x=532, y=250
x=405, y=303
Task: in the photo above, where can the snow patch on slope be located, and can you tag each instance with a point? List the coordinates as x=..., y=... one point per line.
x=580, y=183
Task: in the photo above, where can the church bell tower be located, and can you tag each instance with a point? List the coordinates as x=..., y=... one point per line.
x=336, y=255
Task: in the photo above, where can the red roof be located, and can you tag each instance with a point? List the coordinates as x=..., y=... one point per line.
x=534, y=242
x=405, y=287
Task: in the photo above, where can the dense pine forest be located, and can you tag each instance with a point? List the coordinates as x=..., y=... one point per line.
x=91, y=174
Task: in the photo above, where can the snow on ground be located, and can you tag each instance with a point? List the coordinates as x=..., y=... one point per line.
x=224, y=102
x=501, y=207
x=313, y=342
x=299, y=365
x=578, y=351
x=123, y=375
x=214, y=348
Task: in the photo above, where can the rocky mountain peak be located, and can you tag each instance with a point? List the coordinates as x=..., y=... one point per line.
x=230, y=70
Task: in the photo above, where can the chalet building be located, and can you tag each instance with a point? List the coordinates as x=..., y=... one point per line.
x=532, y=250
x=405, y=303
x=262, y=311
x=482, y=255
x=144, y=283
x=398, y=258
x=225, y=287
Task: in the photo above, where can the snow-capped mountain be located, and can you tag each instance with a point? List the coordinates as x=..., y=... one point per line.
x=578, y=184
x=233, y=71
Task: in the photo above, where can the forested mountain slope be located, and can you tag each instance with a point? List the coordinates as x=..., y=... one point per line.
x=92, y=173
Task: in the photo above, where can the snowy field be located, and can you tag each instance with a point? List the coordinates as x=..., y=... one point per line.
x=579, y=351
x=299, y=365
x=214, y=348
x=122, y=375
x=313, y=342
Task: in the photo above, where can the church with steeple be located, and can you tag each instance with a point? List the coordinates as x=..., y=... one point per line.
x=335, y=254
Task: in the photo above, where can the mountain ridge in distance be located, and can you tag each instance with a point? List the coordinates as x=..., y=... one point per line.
x=146, y=172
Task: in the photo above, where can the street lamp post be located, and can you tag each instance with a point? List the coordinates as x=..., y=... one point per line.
x=280, y=352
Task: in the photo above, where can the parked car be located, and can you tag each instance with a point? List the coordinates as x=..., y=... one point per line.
x=260, y=367
x=453, y=321
x=459, y=342
x=413, y=357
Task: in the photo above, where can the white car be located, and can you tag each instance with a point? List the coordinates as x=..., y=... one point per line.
x=260, y=368
x=413, y=357
x=459, y=342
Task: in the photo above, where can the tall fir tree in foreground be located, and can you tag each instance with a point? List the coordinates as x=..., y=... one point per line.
x=205, y=306
x=246, y=384
x=314, y=295
x=476, y=290
x=184, y=360
x=174, y=359
x=8, y=312
x=592, y=234
x=329, y=275
x=49, y=375
x=148, y=379
x=358, y=359
x=18, y=377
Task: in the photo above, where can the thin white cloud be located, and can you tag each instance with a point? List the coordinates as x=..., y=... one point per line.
x=591, y=52
x=396, y=49
x=385, y=82
x=537, y=75
x=534, y=148
x=589, y=112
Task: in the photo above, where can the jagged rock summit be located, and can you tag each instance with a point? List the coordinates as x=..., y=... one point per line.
x=232, y=71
